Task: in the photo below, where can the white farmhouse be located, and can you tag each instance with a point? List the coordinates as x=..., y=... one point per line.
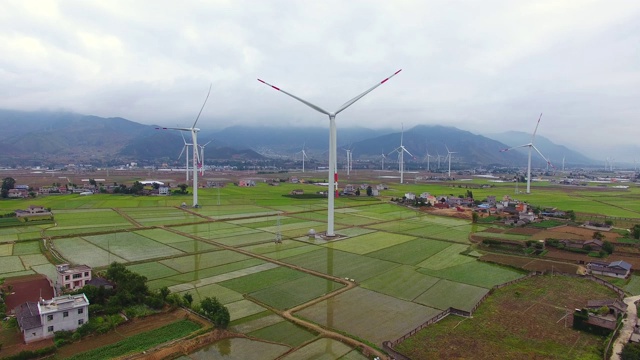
x=39, y=320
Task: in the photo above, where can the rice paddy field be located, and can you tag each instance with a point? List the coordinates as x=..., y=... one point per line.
x=407, y=265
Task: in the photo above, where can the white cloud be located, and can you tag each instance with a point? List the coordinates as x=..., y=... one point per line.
x=482, y=66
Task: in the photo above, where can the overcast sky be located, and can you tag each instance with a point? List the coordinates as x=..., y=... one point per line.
x=482, y=66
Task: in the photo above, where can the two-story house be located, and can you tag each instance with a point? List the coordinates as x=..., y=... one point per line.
x=72, y=277
x=39, y=320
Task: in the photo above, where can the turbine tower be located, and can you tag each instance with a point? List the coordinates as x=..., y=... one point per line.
x=401, y=150
x=531, y=147
x=449, y=156
x=428, y=157
x=185, y=150
x=194, y=143
x=201, y=164
x=382, y=157
x=304, y=155
x=333, y=177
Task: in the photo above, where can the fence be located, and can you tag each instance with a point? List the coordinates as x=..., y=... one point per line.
x=454, y=311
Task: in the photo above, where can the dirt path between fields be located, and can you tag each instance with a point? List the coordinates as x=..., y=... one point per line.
x=288, y=314
x=127, y=217
x=627, y=328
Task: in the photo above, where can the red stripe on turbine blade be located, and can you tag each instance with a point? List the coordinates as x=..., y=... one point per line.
x=335, y=177
x=397, y=72
x=262, y=81
x=275, y=87
x=384, y=81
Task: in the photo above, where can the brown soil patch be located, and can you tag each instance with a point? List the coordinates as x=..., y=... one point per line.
x=27, y=288
x=451, y=212
x=574, y=232
x=531, y=264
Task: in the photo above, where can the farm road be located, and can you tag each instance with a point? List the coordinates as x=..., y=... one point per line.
x=627, y=328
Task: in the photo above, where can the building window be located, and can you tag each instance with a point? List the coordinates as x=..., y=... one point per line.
x=80, y=321
x=50, y=329
x=81, y=310
x=49, y=317
x=77, y=276
x=86, y=274
x=66, y=277
x=65, y=314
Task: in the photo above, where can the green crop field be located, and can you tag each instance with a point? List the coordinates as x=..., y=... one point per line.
x=321, y=349
x=257, y=281
x=295, y=292
x=6, y=249
x=369, y=242
x=284, y=332
x=26, y=248
x=475, y=273
x=341, y=264
x=411, y=252
x=79, y=251
x=131, y=246
x=445, y=294
x=369, y=315
x=152, y=270
x=448, y=257
x=403, y=282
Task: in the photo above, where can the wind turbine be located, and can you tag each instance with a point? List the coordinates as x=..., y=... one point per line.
x=382, y=157
x=531, y=147
x=428, y=157
x=438, y=157
x=449, y=156
x=562, y=163
x=194, y=143
x=201, y=164
x=304, y=155
x=401, y=150
x=186, y=147
x=333, y=178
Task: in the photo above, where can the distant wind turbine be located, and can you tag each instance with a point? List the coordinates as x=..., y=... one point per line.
x=194, y=143
x=401, y=150
x=304, y=155
x=531, y=147
x=428, y=157
x=333, y=177
x=201, y=163
x=449, y=156
x=185, y=151
x=382, y=157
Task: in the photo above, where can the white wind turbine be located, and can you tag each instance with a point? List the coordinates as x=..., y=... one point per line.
x=382, y=157
x=333, y=178
x=401, y=150
x=194, y=143
x=201, y=164
x=304, y=155
x=428, y=157
x=449, y=156
x=185, y=150
x=531, y=147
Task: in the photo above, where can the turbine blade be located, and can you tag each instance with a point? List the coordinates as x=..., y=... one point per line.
x=181, y=152
x=407, y=151
x=515, y=147
x=536, y=130
x=538, y=151
x=202, y=108
x=350, y=102
x=315, y=107
x=173, y=128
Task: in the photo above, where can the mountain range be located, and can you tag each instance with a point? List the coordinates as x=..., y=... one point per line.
x=44, y=138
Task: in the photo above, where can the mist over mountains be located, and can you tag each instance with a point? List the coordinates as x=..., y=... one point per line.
x=63, y=137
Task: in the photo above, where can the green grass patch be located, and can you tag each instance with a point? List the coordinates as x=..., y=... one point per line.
x=476, y=273
x=264, y=279
x=295, y=292
x=285, y=333
x=369, y=242
x=26, y=248
x=445, y=294
x=402, y=282
x=140, y=342
x=448, y=257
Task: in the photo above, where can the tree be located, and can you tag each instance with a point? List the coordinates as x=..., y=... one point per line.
x=188, y=298
x=598, y=235
x=571, y=215
x=8, y=183
x=92, y=182
x=357, y=192
x=369, y=191
x=636, y=231
x=631, y=351
x=607, y=246
x=215, y=311
x=474, y=217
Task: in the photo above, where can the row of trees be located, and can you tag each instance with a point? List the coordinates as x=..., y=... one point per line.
x=8, y=183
